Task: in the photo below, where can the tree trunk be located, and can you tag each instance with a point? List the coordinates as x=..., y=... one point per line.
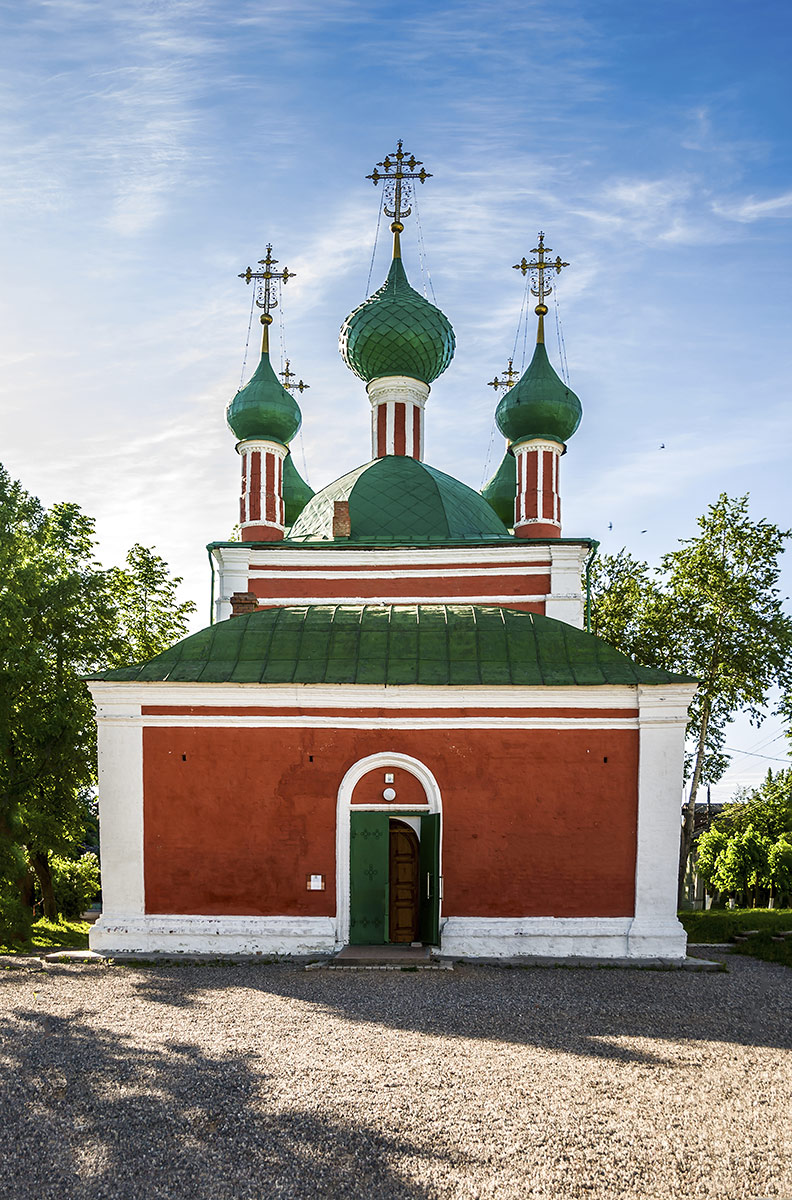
x=40, y=863
x=686, y=838
x=25, y=884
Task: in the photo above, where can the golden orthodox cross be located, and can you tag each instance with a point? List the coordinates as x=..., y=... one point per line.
x=510, y=377
x=265, y=281
x=541, y=288
x=287, y=376
x=396, y=181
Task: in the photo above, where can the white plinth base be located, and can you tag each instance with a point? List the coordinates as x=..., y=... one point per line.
x=562, y=937
x=215, y=936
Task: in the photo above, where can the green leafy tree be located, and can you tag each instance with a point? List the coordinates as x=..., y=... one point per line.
x=61, y=617
x=712, y=610
x=150, y=614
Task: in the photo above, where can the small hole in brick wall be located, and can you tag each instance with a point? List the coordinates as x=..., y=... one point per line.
x=310, y=758
x=184, y=758
x=605, y=759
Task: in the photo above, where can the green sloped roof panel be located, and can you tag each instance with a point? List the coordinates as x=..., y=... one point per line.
x=433, y=645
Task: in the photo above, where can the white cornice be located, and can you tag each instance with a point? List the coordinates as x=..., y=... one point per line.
x=119, y=695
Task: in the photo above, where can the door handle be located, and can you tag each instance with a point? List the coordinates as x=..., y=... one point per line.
x=428, y=885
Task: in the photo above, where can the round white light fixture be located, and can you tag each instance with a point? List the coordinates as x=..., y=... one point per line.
x=389, y=794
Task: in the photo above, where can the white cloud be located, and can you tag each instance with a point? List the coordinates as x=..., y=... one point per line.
x=750, y=209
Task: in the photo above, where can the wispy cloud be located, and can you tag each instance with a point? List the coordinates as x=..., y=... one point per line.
x=751, y=209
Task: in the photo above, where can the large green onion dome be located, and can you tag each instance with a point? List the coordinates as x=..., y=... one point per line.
x=539, y=405
x=296, y=492
x=397, y=500
x=501, y=490
x=263, y=408
x=397, y=332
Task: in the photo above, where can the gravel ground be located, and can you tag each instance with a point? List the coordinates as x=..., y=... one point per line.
x=244, y=1082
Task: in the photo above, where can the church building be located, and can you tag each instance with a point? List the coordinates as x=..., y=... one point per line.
x=396, y=729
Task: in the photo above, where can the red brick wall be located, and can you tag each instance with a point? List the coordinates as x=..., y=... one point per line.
x=535, y=823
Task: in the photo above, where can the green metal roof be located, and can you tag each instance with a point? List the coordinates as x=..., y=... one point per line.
x=397, y=332
x=539, y=405
x=432, y=645
x=501, y=491
x=398, y=500
x=263, y=408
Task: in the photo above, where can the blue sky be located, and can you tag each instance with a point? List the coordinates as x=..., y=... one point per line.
x=150, y=151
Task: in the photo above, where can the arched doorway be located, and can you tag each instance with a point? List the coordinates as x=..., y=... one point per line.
x=368, y=878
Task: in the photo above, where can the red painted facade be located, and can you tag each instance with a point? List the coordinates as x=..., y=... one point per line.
x=535, y=823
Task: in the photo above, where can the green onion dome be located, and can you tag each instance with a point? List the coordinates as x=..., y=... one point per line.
x=399, y=501
x=263, y=408
x=397, y=332
x=501, y=490
x=539, y=405
x=296, y=492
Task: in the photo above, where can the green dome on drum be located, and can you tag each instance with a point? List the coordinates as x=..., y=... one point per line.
x=296, y=492
x=397, y=332
x=501, y=490
x=263, y=408
x=539, y=405
x=399, y=501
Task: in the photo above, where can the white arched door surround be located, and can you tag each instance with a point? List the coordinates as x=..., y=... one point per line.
x=355, y=773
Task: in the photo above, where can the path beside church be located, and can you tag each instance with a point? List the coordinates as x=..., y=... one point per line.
x=233, y=1082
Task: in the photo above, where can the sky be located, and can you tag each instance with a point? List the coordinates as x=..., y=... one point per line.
x=149, y=151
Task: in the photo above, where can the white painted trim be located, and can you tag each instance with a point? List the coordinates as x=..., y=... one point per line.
x=129, y=933
x=390, y=388
x=559, y=937
x=308, y=721
x=438, y=598
x=483, y=572
x=355, y=773
x=120, y=749
x=518, y=551
x=662, y=720
x=110, y=694
x=264, y=445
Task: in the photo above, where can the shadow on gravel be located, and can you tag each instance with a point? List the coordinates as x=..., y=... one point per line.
x=87, y=1116
x=577, y=1011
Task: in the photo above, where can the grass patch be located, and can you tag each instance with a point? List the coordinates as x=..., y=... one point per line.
x=721, y=924
x=761, y=945
x=52, y=935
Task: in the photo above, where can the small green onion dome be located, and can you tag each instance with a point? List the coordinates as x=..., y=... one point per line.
x=296, y=492
x=539, y=405
x=263, y=408
x=397, y=332
x=501, y=490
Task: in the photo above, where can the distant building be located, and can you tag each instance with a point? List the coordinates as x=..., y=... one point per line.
x=396, y=730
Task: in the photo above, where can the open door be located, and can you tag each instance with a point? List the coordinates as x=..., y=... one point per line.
x=430, y=879
x=368, y=878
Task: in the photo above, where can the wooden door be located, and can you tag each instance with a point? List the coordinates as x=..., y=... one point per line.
x=430, y=879
x=404, y=907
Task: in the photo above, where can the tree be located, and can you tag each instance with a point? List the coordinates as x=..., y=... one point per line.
x=711, y=610
x=61, y=617
x=151, y=617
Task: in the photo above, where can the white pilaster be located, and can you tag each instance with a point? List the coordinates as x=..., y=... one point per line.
x=120, y=747
x=233, y=573
x=662, y=719
x=566, y=601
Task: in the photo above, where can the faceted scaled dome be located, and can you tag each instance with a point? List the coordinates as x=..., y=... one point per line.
x=540, y=405
x=501, y=490
x=296, y=492
x=397, y=332
x=263, y=408
x=401, y=501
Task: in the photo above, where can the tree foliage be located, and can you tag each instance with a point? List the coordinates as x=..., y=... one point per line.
x=61, y=616
x=712, y=610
